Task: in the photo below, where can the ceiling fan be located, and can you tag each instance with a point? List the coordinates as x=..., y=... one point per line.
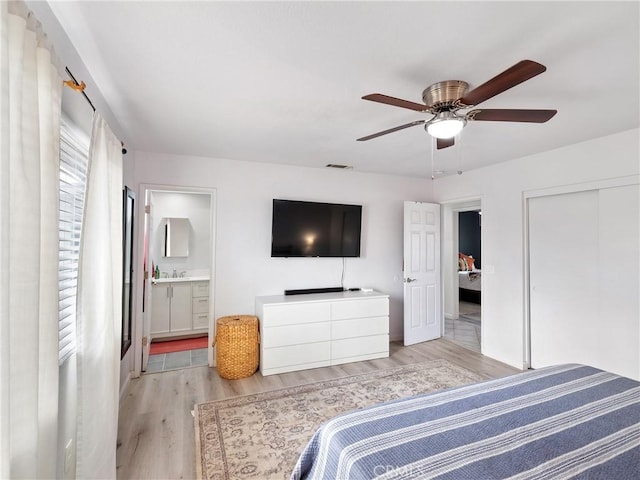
x=446, y=99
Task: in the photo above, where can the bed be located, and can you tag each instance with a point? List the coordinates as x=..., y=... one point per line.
x=469, y=279
x=469, y=285
x=565, y=421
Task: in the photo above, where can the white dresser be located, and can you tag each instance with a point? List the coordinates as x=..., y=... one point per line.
x=298, y=332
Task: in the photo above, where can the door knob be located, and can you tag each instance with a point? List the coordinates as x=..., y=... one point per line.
x=409, y=280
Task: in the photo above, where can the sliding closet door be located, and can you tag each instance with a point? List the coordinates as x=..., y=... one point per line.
x=563, y=246
x=583, y=254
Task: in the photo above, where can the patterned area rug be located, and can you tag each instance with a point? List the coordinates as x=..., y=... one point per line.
x=261, y=436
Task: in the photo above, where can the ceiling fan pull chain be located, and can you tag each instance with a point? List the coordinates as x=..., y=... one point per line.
x=460, y=145
x=432, y=141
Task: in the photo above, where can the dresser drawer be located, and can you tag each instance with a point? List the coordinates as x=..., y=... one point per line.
x=278, y=315
x=200, y=320
x=200, y=305
x=295, y=334
x=293, y=355
x=357, y=347
x=359, y=327
x=200, y=289
x=361, y=308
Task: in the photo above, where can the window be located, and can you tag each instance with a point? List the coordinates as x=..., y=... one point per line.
x=74, y=151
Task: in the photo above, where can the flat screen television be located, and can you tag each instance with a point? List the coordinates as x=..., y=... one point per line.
x=313, y=229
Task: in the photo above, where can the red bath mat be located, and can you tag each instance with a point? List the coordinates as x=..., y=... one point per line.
x=178, y=345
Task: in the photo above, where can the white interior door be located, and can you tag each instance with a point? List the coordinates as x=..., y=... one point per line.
x=422, y=285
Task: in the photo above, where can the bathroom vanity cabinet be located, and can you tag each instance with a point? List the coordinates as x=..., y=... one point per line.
x=179, y=307
x=200, y=304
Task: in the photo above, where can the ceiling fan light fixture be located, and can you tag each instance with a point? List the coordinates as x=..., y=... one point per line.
x=445, y=125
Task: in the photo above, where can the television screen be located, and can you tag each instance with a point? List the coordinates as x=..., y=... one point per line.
x=312, y=229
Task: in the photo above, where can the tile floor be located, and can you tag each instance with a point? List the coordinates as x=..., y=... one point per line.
x=465, y=331
x=173, y=361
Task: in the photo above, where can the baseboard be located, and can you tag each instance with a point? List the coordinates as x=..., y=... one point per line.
x=396, y=338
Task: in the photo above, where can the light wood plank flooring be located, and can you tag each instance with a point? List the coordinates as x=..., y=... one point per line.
x=156, y=433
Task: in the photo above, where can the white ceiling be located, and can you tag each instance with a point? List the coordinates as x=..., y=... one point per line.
x=282, y=82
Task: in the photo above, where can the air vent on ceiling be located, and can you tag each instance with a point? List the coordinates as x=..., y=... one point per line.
x=335, y=165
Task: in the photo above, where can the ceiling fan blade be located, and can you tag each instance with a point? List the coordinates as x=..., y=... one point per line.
x=444, y=142
x=511, y=115
x=396, y=102
x=520, y=72
x=391, y=130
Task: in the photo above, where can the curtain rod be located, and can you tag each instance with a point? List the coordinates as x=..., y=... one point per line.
x=79, y=87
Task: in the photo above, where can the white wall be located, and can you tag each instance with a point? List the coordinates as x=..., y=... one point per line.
x=244, y=268
x=501, y=188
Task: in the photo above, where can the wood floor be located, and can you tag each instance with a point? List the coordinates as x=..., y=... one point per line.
x=156, y=433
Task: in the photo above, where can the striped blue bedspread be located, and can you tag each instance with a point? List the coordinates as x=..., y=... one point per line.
x=566, y=421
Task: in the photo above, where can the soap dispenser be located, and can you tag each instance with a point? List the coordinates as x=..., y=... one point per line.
x=157, y=273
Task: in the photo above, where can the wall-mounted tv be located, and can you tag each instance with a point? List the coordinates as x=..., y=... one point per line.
x=313, y=229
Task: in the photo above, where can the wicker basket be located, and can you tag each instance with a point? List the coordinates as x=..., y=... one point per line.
x=237, y=342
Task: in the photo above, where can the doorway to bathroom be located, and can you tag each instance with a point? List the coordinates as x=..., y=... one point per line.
x=177, y=252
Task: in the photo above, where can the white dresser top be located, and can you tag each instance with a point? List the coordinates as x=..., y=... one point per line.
x=319, y=297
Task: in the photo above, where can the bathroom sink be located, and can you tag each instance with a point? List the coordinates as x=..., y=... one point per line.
x=200, y=278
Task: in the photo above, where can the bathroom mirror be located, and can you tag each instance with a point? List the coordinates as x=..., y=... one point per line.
x=176, y=237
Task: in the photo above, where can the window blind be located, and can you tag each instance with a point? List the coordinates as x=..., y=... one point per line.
x=74, y=150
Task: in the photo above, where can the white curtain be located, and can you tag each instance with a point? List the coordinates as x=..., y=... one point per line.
x=30, y=103
x=99, y=313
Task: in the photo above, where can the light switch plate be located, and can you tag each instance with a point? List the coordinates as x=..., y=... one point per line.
x=68, y=455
